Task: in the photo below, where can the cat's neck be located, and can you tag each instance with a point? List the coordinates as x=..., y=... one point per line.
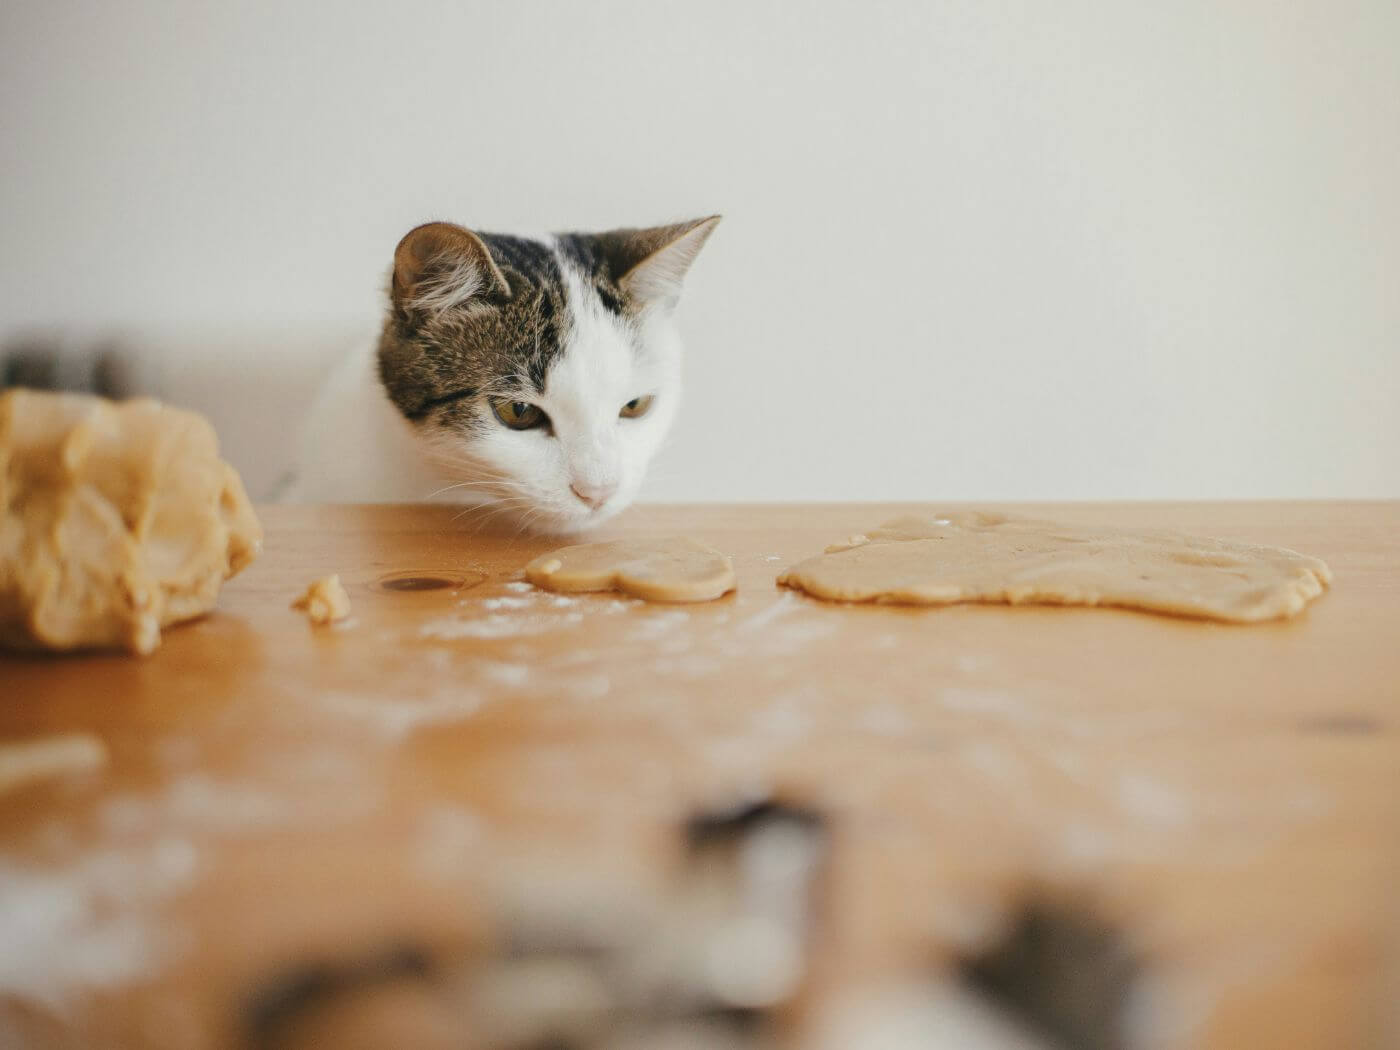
x=356, y=447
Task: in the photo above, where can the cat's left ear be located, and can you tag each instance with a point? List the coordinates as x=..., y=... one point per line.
x=651, y=264
x=440, y=266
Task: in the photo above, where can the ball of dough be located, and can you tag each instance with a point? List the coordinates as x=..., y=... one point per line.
x=118, y=519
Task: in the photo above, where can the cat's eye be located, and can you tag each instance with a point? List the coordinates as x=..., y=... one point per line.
x=518, y=415
x=637, y=406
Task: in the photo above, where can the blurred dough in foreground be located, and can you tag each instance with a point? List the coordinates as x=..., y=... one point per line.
x=118, y=519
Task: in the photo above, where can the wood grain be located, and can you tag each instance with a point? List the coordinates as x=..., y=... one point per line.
x=276, y=792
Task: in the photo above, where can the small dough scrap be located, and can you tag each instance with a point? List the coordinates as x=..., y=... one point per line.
x=973, y=556
x=51, y=756
x=670, y=569
x=325, y=601
x=116, y=519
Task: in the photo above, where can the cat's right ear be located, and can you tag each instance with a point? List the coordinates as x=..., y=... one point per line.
x=440, y=266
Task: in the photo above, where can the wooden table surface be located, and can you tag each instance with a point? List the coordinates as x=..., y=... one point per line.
x=1224, y=796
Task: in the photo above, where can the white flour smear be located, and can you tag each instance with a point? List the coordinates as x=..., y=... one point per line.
x=511, y=675
x=449, y=838
x=508, y=602
x=93, y=924
x=497, y=625
x=198, y=802
x=787, y=602
x=398, y=717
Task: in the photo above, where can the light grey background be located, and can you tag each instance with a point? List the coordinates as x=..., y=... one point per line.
x=971, y=249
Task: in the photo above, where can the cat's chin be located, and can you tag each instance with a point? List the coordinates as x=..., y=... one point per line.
x=556, y=523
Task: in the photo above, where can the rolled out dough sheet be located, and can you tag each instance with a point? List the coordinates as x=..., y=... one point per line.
x=973, y=556
x=669, y=569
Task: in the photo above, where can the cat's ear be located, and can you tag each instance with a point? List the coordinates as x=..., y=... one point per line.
x=651, y=264
x=440, y=266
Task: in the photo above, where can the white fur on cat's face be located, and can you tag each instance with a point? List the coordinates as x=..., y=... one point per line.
x=607, y=362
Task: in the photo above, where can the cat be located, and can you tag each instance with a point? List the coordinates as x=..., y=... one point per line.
x=538, y=376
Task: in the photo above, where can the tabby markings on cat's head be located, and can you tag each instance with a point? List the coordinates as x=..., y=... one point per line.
x=540, y=376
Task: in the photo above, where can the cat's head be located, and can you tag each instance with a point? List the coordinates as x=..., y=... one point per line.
x=539, y=375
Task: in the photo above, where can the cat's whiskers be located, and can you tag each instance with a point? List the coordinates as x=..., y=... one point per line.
x=528, y=521
x=459, y=485
x=513, y=504
x=450, y=456
x=491, y=511
x=453, y=462
x=506, y=496
x=493, y=487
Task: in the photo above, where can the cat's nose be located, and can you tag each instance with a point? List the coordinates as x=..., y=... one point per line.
x=594, y=495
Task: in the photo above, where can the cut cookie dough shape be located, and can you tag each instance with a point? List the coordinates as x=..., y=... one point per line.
x=671, y=569
x=116, y=519
x=972, y=556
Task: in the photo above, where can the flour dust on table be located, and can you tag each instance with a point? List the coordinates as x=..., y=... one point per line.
x=535, y=376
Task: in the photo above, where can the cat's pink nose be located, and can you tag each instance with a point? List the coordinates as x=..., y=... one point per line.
x=594, y=495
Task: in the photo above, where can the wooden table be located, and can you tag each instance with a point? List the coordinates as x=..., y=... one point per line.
x=1225, y=796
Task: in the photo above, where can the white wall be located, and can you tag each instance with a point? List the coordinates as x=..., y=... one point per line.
x=971, y=250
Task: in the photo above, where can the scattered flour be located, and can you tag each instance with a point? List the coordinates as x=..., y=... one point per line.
x=883, y=720
x=617, y=605
x=1310, y=803
x=319, y=785
x=513, y=675
x=986, y=702
x=508, y=602
x=447, y=839
x=909, y=1015
x=687, y=665
x=795, y=636
x=785, y=718
x=49, y=757
x=658, y=624
x=95, y=923
x=496, y=625
x=397, y=718
x=1080, y=847
x=994, y=763
x=524, y=595
x=589, y=687
x=674, y=646
x=785, y=603
x=199, y=802
x=180, y=750
x=1148, y=798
